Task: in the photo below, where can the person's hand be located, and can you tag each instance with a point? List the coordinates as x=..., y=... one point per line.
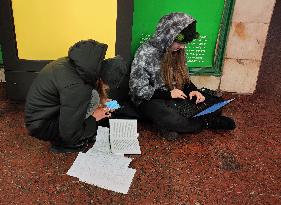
x=198, y=95
x=176, y=93
x=101, y=112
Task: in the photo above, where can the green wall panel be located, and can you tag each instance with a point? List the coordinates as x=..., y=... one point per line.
x=209, y=15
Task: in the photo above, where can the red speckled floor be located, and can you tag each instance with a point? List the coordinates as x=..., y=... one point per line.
x=238, y=167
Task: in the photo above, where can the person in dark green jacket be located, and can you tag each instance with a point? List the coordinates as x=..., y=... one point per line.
x=62, y=105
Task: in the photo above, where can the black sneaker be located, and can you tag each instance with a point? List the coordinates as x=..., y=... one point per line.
x=169, y=135
x=67, y=149
x=220, y=123
x=210, y=92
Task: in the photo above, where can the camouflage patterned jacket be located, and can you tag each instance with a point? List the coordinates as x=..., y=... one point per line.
x=145, y=75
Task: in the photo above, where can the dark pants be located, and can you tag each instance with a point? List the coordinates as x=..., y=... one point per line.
x=166, y=118
x=49, y=131
x=46, y=130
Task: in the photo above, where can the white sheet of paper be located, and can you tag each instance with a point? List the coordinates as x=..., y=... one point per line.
x=124, y=129
x=104, y=170
x=124, y=136
x=102, y=141
x=122, y=146
x=112, y=180
x=101, y=159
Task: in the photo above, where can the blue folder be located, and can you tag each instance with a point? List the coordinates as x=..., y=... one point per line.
x=213, y=108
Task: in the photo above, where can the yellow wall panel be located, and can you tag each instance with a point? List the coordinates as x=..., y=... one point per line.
x=45, y=29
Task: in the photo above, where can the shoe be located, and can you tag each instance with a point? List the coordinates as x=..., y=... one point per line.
x=211, y=92
x=67, y=149
x=220, y=123
x=169, y=135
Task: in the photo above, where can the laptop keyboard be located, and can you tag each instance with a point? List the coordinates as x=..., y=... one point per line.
x=188, y=108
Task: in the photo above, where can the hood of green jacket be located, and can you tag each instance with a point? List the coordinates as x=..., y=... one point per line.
x=86, y=56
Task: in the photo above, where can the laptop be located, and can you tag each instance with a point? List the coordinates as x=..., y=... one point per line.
x=188, y=108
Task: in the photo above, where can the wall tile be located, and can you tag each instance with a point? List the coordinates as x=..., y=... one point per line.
x=246, y=40
x=240, y=75
x=210, y=82
x=254, y=11
x=2, y=75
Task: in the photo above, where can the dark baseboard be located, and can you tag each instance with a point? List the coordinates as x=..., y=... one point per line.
x=3, y=94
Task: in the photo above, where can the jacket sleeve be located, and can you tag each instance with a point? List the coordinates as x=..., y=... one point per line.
x=140, y=86
x=162, y=94
x=73, y=127
x=189, y=87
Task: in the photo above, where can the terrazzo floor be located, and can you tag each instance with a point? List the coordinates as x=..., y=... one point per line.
x=236, y=167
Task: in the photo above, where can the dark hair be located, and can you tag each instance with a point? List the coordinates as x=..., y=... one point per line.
x=188, y=34
x=102, y=89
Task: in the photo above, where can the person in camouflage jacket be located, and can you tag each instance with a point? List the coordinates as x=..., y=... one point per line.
x=159, y=74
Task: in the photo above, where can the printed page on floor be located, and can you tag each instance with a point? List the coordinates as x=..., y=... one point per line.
x=103, y=170
x=124, y=136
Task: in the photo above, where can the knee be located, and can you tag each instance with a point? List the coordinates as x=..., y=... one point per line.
x=194, y=126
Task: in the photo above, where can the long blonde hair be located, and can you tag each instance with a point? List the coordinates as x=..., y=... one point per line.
x=174, y=70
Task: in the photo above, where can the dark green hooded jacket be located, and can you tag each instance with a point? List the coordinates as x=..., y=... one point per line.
x=62, y=92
